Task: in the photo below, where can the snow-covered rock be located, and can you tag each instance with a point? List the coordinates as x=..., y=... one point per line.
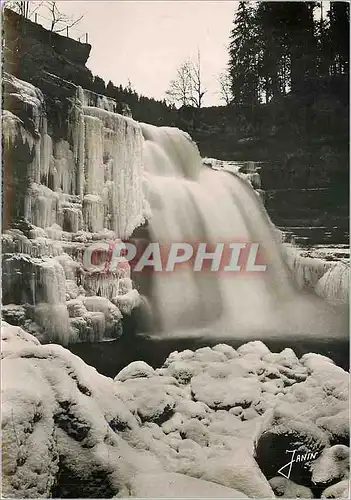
x=136, y=369
x=302, y=417
x=338, y=490
x=71, y=432
x=333, y=464
x=286, y=488
x=238, y=467
x=63, y=425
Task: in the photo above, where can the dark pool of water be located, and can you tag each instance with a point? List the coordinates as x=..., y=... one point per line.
x=110, y=357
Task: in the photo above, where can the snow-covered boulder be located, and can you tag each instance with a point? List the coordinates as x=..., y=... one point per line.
x=338, y=490
x=332, y=465
x=151, y=399
x=301, y=418
x=14, y=314
x=65, y=431
x=286, y=488
x=137, y=369
x=238, y=468
x=338, y=426
x=70, y=432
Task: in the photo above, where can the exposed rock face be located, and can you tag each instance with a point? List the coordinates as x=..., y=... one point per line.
x=52, y=52
x=71, y=432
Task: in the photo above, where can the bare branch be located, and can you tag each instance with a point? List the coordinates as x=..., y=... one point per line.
x=70, y=25
x=225, y=89
x=187, y=89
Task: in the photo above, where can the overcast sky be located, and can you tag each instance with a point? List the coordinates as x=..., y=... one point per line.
x=145, y=41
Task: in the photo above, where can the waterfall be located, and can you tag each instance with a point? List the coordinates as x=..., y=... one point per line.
x=101, y=177
x=193, y=203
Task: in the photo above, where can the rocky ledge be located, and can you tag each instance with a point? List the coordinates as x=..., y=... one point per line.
x=212, y=422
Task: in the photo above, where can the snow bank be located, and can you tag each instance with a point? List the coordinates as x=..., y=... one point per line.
x=173, y=485
x=211, y=422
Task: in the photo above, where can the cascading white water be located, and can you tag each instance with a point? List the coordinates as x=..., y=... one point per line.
x=95, y=185
x=192, y=203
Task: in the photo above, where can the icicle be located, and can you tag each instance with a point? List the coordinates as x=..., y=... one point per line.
x=122, y=162
x=305, y=271
x=93, y=210
x=101, y=284
x=112, y=314
x=54, y=321
x=76, y=132
x=51, y=281
x=96, y=326
x=65, y=168
x=12, y=129
x=94, y=171
x=68, y=265
x=43, y=206
x=46, y=156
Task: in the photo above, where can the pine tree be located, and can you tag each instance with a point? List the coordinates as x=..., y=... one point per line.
x=244, y=56
x=339, y=20
x=287, y=33
x=274, y=57
x=324, y=53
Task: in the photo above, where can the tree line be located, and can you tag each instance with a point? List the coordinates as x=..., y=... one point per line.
x=275, y=47
x=144, y=109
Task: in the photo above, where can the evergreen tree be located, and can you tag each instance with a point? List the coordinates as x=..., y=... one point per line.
x=274, y=57
x=244, y=56
x=288, y=45
x=99, y=85
x=324, y=53
x=339, y=19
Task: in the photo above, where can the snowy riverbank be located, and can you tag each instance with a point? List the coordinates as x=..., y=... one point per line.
x=191, y=428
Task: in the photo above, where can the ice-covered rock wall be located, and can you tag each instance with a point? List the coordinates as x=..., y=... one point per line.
x=63, y=193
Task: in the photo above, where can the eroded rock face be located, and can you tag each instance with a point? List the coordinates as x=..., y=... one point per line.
x=70, y=432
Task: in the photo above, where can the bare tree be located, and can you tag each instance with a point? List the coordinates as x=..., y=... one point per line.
x=225, y=87
x=187, y=88
x=198, y=90
x=179, y=91
x=57, y=17
x=59, y=20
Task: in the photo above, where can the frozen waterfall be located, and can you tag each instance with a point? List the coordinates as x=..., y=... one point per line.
x=66, y=189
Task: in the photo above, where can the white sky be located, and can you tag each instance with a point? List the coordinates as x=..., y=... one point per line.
x=145, y=41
